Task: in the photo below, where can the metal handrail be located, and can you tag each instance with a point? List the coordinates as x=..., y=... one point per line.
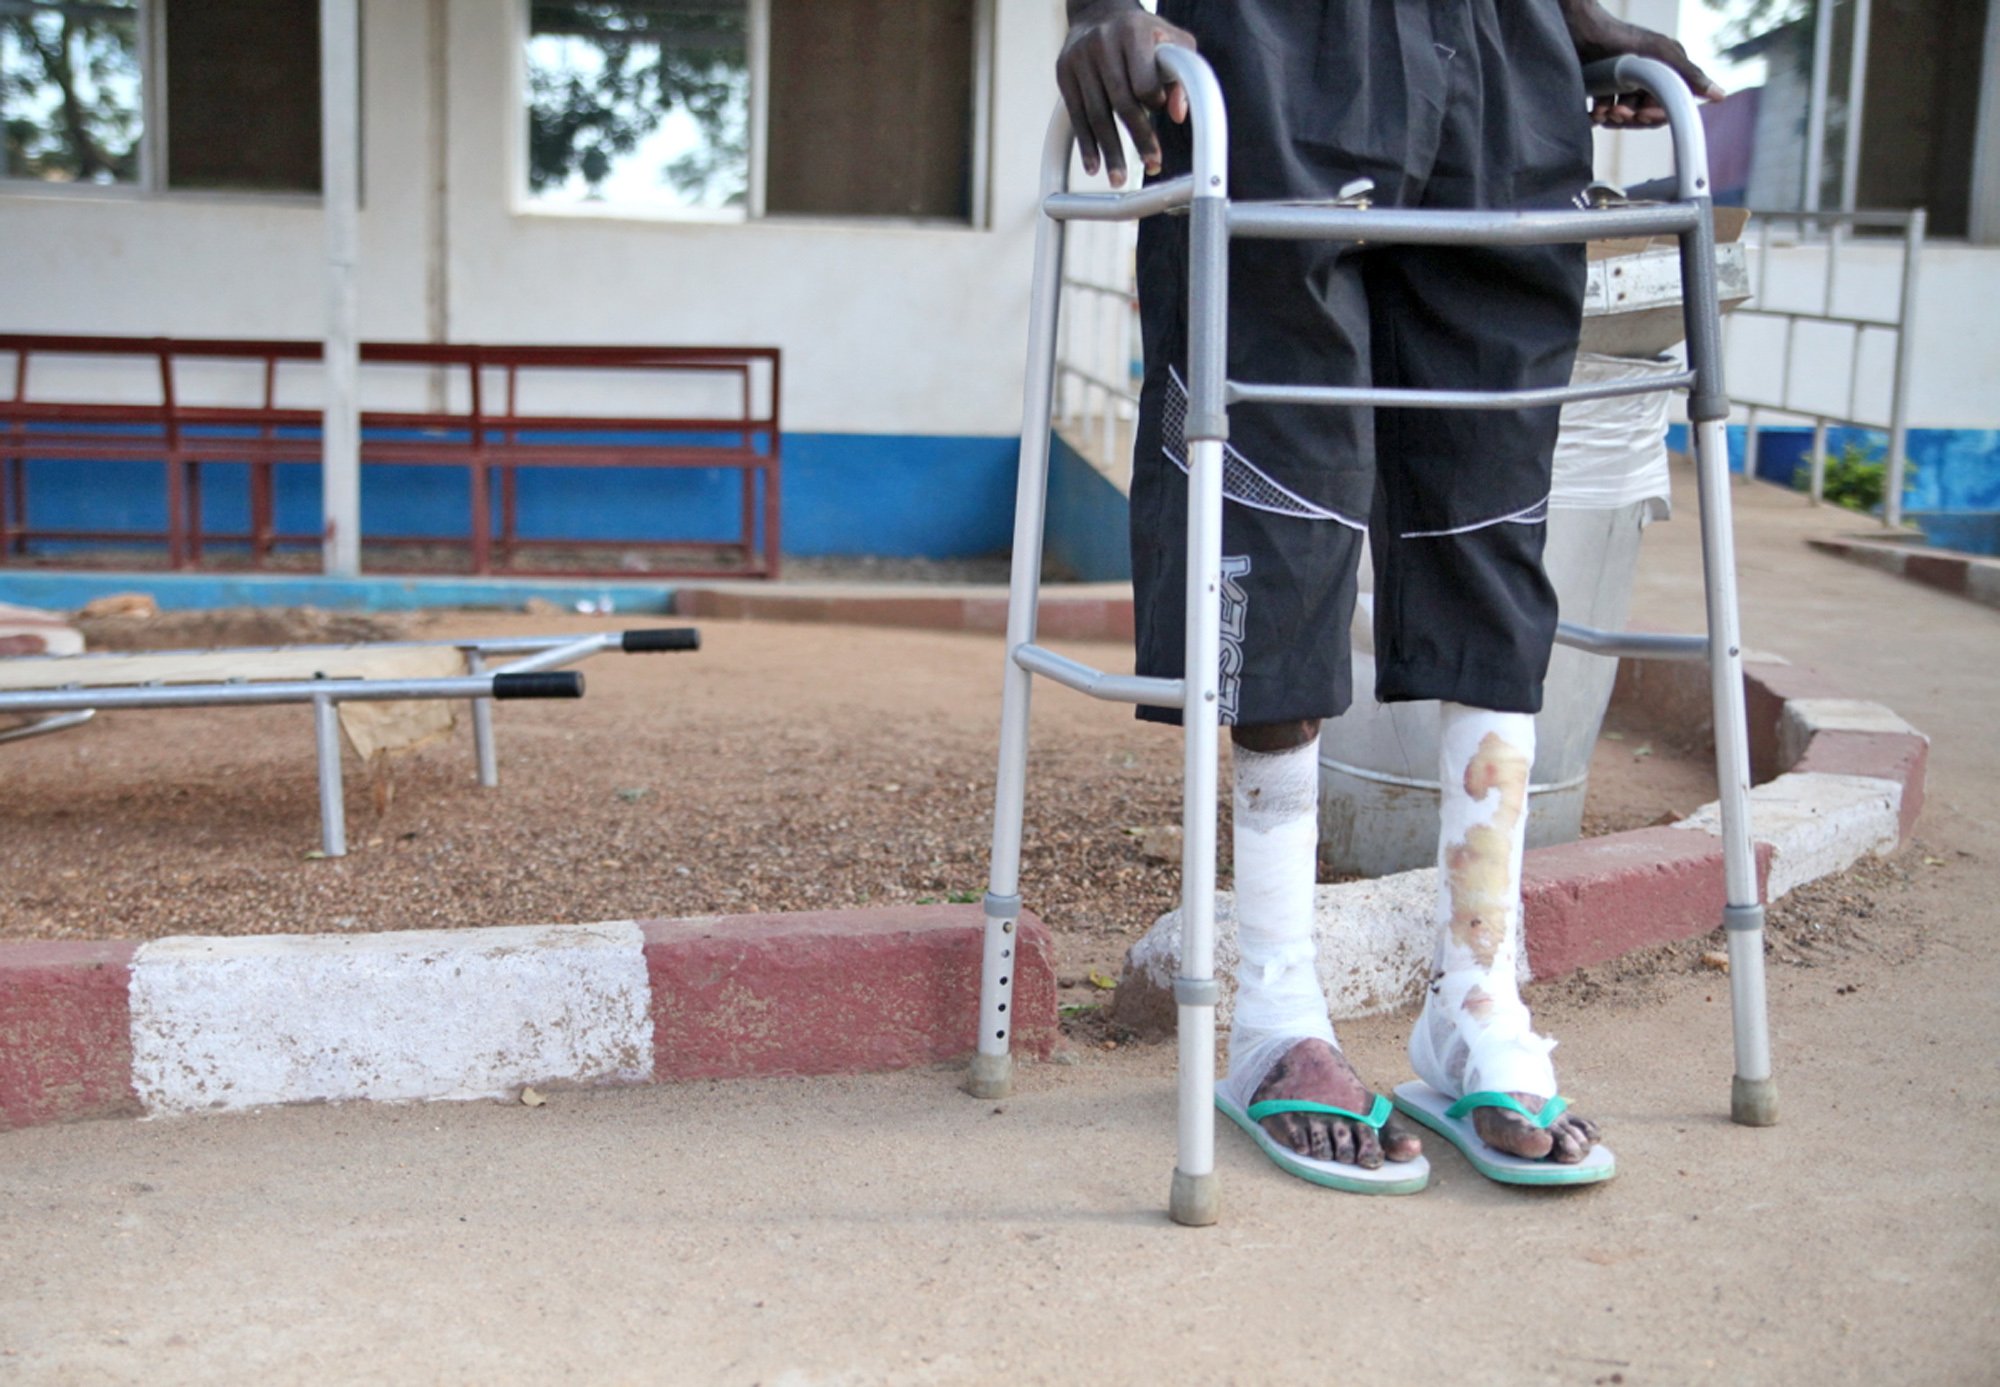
x=1913, y=225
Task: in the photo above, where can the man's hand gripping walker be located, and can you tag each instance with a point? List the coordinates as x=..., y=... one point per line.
x=1213, y=219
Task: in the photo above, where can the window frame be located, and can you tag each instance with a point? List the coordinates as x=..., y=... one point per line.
x=757, y=54
x=152, y=182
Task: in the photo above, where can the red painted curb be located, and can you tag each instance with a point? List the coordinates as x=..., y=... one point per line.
x=1900, y=756
x=1590, y=901
x=1962, y=575
x=65, y=1032
x=833, y=992
x=1767, y=688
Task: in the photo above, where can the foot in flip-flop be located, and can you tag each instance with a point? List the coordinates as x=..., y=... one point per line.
x=1515, y=1138
x=1315, y=1118
x=1525, y=1131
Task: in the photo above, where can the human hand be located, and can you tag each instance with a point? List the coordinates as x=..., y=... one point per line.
x=1597, y=35
x=1107, y=74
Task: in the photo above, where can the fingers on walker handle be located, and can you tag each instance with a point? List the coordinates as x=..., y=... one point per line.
x=662, y=638
x=1618, y=76
x=561, y=683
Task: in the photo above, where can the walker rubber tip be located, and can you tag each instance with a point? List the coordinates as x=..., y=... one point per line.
x=1195, y=1200
x=1753, y=1102
x=991, y=1076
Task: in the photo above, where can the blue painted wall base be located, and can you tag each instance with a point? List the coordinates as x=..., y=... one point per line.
x=57, y=590
x=1956, y=478
x=1089, y=520
x=904, y=496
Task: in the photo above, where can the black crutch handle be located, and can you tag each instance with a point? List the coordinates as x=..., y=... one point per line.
x=561, y=683
x=663, y=638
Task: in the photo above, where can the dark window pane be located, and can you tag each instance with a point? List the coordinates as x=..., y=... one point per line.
x=69, y=92
x=870, y=108
x=1922, y=111
x=243, y=94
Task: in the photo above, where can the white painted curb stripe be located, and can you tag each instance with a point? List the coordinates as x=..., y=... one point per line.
x=1805, y=718
x=1375, y=943
x=238, y=1022
x=1817, y=824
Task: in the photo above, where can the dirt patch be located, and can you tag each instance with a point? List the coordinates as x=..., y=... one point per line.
x=1869, y=913
x=782, y=767
x=247, y=626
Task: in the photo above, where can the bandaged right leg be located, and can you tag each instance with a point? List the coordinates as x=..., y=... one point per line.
x=1281, y=1044
x=1475, y=1035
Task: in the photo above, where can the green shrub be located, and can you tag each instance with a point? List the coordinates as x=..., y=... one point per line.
x=1855, y=477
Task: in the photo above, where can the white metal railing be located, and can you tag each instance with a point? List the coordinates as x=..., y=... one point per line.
x=1097, y=351
x=1863, y=331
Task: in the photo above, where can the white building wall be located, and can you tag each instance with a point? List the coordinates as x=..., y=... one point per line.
x=885, y=328
x=209, y=265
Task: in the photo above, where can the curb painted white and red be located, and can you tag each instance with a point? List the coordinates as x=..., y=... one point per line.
x=196, y=1024
x=204, y=1024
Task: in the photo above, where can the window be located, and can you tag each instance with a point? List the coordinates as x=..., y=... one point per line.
x=162, y=93
x=745, y=108
x=70, y=92
x=1924, y=85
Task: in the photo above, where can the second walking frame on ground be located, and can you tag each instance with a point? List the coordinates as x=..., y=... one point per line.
x=1213, y=219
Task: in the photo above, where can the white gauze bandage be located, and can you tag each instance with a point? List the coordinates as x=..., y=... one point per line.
x=1475, y=1034
x=1278, y=996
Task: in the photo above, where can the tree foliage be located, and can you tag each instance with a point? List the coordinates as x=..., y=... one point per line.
x=72, y=84
x=644, y=58
x=1748, y=19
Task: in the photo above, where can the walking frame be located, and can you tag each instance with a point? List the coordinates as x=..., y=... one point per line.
x=1213, y=220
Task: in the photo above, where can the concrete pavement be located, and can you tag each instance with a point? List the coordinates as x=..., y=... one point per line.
x=889, y=1229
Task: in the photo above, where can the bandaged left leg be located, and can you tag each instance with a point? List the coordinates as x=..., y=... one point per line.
x=1474, y=1034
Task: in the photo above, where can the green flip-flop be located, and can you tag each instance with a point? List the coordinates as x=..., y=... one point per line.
x=1392, y=1177
x=1451, y=1118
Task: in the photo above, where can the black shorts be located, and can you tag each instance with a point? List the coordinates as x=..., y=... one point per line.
x=1444, y=104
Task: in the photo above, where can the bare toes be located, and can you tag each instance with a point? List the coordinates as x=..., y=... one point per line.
x=1321, y=1148
x=1575, y=1138
x=1569, y=1145
x=1512, y=1133
x=1368, y=1152
x=1400, y=1141
x=1343, y=1143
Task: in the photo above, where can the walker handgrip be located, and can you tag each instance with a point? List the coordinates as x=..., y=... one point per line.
x=664, y=638
x=1610, y=76
x=565, y=683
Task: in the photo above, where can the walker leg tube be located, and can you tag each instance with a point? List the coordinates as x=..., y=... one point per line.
x=1194, y=1198
x=482, y=727
x=992, y=1073
x=1753, y=1095
x=332, y=805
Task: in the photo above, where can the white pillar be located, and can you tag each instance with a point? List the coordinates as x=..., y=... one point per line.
x=1822, y=63
x=1857, y=104
x=340, y=191
x=1986, y=145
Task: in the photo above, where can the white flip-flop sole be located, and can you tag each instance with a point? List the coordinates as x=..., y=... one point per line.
x=1391, y=1177
x=1428, y=1106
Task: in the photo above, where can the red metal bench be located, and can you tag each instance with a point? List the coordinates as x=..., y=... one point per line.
x=474, y=418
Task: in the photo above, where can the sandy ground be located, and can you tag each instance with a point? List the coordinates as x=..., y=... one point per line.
x=889, y=1229
x=779, y=768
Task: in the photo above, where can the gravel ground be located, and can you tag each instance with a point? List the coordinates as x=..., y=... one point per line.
x=782, y=767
